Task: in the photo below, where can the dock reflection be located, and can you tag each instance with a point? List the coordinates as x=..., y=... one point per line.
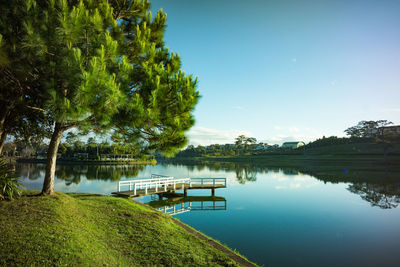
x=174, y=204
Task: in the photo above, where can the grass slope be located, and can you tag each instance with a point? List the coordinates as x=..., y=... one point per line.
x=93, y=230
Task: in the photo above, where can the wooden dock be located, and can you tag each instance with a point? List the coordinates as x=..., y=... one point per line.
x=161, y=184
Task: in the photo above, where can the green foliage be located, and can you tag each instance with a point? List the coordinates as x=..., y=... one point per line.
x=71, y=138
x=30, y=129
x=22, y=113
x=334, y=140
x=240, y=139
x=77, y=60
x=93, y=150
x=9, y=186
x=243, y=140
x=366, y=128
x=212, y=150
x=99, y=66
x=160, y=97
x=242, y=143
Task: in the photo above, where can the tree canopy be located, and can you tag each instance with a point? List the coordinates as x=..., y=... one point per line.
x=366, y=128
x=21, y=107
x=97, y=66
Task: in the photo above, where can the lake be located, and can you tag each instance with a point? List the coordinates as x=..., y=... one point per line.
x=272, y=216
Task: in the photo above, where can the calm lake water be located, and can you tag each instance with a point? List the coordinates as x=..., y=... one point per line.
x=275, y=217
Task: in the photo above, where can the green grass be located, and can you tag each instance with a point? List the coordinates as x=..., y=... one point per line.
x=93, y=230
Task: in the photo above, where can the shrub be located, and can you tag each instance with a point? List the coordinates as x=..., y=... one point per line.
x=9, y=186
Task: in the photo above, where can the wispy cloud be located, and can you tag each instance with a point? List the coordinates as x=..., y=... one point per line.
x=293, y=129
x=292, y=133
x=294, y=60
x=333, y=83
x=390, y=110
x=207, y=136
x=238, y=107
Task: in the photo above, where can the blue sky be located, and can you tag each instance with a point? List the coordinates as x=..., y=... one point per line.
x=287, y=70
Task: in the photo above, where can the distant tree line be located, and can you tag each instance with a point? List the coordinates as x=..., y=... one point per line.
x=334, y=140
x=367, y=129
x=212, y=150
x=241, y=146
x=75, y=149
x=363, y=132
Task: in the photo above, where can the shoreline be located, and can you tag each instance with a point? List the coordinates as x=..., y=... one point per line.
x=325, y=167
x=89, y=162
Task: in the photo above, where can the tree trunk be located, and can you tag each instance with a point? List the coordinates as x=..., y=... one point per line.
x=48, y=184
x=3, y=116
x=2, y=140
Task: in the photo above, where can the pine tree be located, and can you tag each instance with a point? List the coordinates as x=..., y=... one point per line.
x=77, y=61
x=160, y=97
x=102, y=66
x=19, y=107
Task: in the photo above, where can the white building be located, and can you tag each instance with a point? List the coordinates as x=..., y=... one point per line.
x=293, y=145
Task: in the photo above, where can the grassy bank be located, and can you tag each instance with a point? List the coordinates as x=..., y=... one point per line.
x=85, y=229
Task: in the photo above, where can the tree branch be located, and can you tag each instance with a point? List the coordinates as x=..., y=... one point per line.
x=36, y=108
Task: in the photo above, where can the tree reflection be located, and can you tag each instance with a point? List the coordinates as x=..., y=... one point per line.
x=73, y=174
x=385, y=196
x=290, y=171
x=245, y=174
x=30, y=171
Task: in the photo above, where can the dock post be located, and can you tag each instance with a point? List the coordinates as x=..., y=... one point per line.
x=213, y=192
x=185, y=192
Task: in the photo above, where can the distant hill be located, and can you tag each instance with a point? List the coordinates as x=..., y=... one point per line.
x=370, y=148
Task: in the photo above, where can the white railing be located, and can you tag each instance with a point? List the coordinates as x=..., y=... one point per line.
x=161, y=183
x=178, y=208
x=174, y=210
x=131, y=183
x=208, y=205
x=208, y=181
x=155, y=184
